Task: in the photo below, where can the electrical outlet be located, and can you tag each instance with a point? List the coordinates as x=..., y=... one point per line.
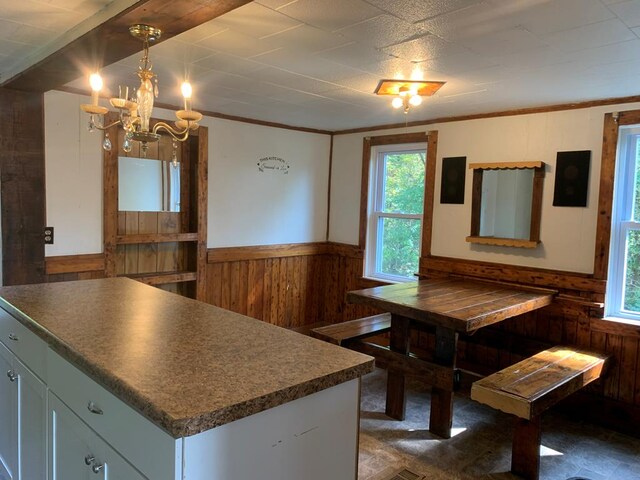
x=48, y=235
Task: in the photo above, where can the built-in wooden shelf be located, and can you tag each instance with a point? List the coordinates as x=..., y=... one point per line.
x=156, y=238
x=164, y=277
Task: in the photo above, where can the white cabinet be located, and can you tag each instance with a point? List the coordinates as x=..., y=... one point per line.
x=56, y=423
x=23, y=420
x=76, y=452
x=9, y=417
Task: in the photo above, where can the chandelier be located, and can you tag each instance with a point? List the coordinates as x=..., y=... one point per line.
x=407, y=93
x=134, y=113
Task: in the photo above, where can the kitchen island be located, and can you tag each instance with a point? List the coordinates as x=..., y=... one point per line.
x=114, y=379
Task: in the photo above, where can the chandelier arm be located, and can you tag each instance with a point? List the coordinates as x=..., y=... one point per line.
x=106, y=127
x=180, y=135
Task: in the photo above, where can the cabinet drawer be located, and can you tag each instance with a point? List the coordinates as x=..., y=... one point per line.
x=77, y=453
x=151, y=450
x=24, y=344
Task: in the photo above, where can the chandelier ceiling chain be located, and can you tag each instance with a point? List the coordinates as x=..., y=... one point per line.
x=135, y=113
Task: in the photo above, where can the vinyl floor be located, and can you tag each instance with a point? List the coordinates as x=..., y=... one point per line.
x=481, y=446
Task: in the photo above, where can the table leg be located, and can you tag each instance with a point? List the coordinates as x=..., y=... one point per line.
x=525, y=451
x=441, y=416
x=400, y=337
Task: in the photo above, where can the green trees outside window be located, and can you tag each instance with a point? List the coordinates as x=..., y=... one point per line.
x=632, y=277
x=400, y=216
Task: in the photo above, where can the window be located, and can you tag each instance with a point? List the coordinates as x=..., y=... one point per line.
x=396, y=202
x=623, y=293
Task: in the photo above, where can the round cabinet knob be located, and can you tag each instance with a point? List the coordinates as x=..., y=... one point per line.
x=12, y=375
x=89, y=459
x=97, y=467
x=14, y=337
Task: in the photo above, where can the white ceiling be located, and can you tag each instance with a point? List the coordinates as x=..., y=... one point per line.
x=315, y=63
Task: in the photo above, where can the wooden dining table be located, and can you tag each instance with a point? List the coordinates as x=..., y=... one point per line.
x=452, y=306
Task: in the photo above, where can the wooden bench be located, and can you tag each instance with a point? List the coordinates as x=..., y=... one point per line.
x=353, y=330
x=530, y=387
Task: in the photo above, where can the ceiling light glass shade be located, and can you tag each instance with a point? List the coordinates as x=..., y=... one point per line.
x=135, y=113
x=407, y=93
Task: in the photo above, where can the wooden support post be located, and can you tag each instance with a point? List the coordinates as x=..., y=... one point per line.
x=441, y=416
x=400, y=337
x=525, y=453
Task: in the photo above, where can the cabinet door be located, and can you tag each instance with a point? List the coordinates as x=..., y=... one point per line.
x=70, y=445
x=8, y=416
x=32, y=424
x=76, y=452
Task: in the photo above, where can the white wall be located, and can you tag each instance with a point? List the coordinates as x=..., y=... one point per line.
x=249, y=207
x=73, y=165
x=567, y=233
x=246, y=207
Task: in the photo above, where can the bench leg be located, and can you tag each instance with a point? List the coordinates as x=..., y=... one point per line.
x=399, y=342
x=441, y=415
x=525, y=453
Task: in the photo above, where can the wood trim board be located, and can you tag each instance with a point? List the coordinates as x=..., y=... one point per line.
x=605, y=196
x=92, y=262
x=512, y=273
x=234, y=254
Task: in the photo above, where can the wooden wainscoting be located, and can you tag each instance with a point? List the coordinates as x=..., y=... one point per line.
x=65, y=268
x=290, y=285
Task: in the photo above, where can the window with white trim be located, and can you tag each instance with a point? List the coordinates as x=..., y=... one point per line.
x=623, y=286
x=396, y=202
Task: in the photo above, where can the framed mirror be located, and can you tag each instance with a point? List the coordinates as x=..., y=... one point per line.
x=506, y=203
x=148, y=185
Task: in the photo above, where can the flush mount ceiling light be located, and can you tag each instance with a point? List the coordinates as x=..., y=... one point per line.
x=135, y=111
x=407, y=93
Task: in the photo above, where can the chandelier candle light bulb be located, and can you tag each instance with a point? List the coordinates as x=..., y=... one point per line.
x=95, y=80
x=187, y=91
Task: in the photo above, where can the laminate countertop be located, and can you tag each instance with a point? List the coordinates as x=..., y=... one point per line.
x=185, y=365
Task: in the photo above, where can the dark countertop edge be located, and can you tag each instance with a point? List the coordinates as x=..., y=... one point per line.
x=179, y=428
x=192, y=426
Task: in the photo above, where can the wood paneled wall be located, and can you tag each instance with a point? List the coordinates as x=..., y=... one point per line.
x=287, y=285
x=65, y=268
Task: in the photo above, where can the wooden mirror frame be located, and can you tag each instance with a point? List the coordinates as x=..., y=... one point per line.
x=536, y=204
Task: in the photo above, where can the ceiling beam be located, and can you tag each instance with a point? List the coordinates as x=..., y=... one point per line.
x=111, y=41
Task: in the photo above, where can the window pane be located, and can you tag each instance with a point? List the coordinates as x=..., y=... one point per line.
x=632, y=279
x=400, y=238
x=404, y=182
